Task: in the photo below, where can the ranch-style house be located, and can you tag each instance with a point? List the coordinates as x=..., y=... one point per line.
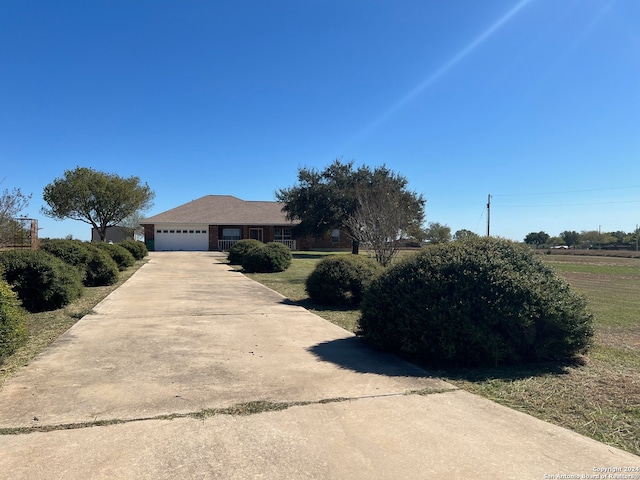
x=215, y=222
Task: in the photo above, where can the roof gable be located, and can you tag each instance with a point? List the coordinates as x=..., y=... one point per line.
x=223, y=210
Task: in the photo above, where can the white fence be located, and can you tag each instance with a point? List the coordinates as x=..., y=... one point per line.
x=225, y=245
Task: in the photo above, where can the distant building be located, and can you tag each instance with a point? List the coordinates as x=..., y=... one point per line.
x=114, y=234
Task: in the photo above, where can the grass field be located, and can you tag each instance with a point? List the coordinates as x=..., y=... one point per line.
x=599, y=396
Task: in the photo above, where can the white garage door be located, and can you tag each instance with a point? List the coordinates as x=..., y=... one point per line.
x=182, y=237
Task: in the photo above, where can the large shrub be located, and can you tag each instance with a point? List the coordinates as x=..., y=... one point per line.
x=239, y=249
x=272, y=257
x=73, y=252
x=341, y=279
x=137, y=249
x=478, y=302
x=120, y=255
x=101, y=268
x=42, y=281
x=96, y=266
x=12, y=329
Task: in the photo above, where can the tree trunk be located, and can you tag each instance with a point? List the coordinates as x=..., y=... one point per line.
x=355, y=247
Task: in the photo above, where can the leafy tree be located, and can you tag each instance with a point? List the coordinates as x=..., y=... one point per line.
x=536, y=238
x=437, y=233
x=630, y=239
x=589, y=238
x=596, y=239
x=12, y=202
x=555, y=242
x=100, y=199
x=571, y=238
x=464, y=234
x=339, y=197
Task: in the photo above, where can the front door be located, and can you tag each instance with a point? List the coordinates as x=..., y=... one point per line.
x=255, y=233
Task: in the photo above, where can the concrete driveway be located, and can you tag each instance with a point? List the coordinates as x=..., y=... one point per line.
x=191, y=370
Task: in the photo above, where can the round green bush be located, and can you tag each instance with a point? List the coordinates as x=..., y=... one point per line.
x=73, y=252
x=120, y=255
x=137, y=249
x=239, y=249
x=12, y=329
x=101, y=269
x=272, y=257
x=96, y=266
x=42, y=281
x=481, y=302
x=342, y=279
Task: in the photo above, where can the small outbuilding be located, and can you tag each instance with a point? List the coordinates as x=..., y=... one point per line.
x=114, y=234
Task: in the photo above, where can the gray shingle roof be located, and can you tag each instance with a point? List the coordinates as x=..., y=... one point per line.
x=223, y=210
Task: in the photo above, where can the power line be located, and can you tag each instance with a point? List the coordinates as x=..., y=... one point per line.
x=567, y=204
x=564, y=193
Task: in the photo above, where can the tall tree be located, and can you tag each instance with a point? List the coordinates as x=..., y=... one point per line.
x=570, y=237
x=536, y=238
x=437, y=233
x=464, y=234
x=341, y=197
x=100, y=199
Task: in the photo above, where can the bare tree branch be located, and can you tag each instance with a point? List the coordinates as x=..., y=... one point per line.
x=378, y=223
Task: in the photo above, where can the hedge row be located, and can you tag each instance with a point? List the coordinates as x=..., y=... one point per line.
x=96, y=266
x=123, y=257
x=53, y=276
x=42, y=281
x=12, y=329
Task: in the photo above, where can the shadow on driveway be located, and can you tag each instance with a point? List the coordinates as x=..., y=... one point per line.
x=353, y=354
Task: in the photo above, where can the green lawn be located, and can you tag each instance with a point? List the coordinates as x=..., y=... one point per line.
x=598, y=397
x=290, y=283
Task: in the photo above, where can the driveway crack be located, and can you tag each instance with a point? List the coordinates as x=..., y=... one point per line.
x=239, y=409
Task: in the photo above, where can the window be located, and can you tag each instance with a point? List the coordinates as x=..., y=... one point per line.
x=335, y=236
x=172, y=231
x=165, y=231
x=281, y=234
x=230, y=234
x=158, y=231
x=190, y=231
x=255, y=233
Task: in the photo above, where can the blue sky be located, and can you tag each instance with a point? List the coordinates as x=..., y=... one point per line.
x=536, y=102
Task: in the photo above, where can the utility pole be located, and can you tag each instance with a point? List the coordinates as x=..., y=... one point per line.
x=489, y=216
x=637, y=231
